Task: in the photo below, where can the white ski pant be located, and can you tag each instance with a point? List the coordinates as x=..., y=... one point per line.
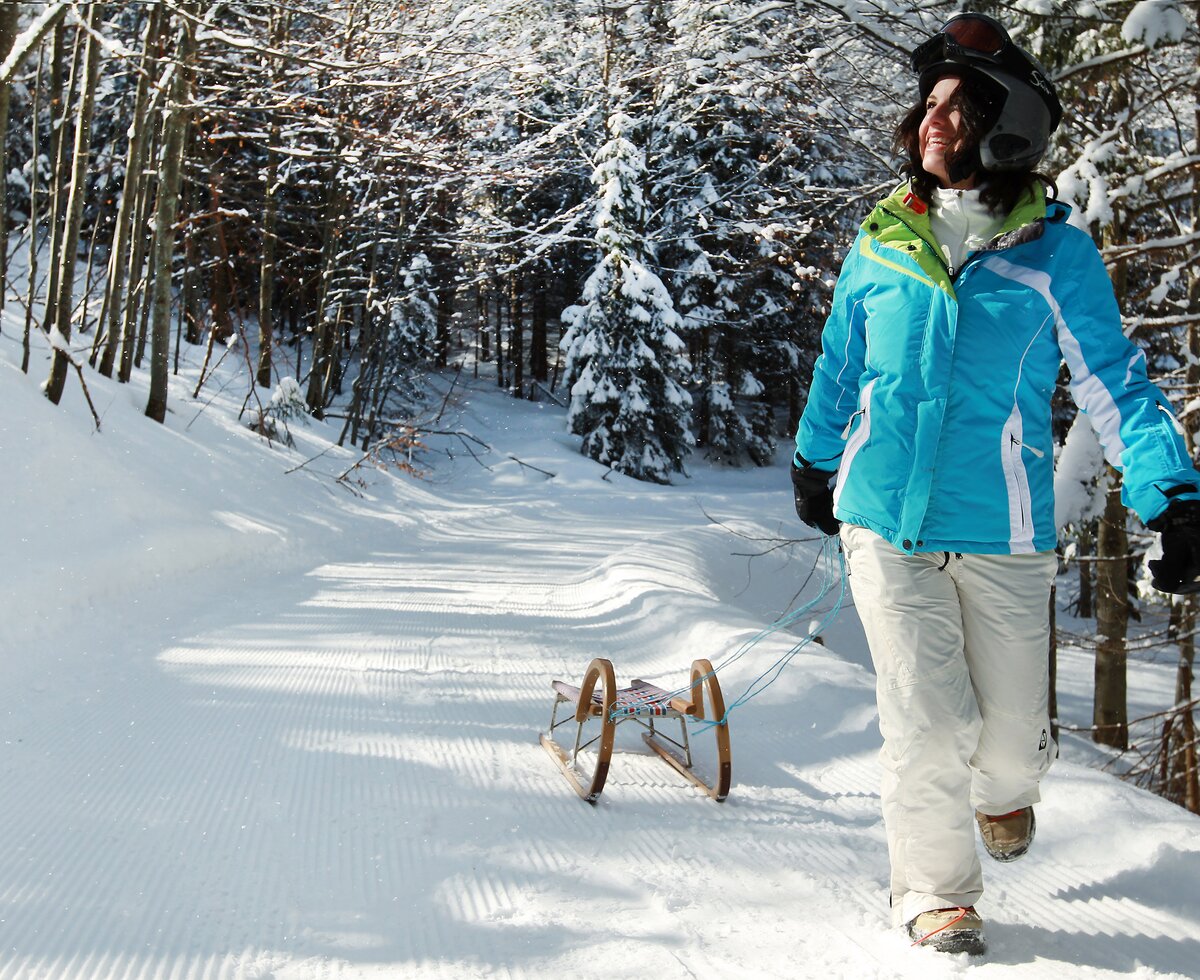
x=960, y=647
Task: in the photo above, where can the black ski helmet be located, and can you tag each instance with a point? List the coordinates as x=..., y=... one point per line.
x=1028, y=111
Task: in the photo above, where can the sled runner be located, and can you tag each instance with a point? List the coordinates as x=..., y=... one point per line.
x=599, y=707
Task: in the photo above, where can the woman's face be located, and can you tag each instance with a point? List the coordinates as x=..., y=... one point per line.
x=940, y=131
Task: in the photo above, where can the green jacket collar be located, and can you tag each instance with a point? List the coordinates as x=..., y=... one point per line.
x=901, y=221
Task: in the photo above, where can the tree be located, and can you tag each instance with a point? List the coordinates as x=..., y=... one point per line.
x=8, y=35
x=729, y=187
x=623, y=355
x=62, y=305
x=175, y=124
x=1130, y=164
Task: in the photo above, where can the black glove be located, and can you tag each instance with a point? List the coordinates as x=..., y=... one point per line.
x=814, y=498
x=1178, y=570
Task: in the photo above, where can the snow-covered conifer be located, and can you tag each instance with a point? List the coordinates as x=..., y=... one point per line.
x=414, y=311
x=623, y=353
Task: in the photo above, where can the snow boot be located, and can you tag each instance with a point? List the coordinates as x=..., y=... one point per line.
x=1007, y=836
x=949, y=931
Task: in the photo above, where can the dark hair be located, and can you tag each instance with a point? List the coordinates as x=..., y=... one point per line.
x=979, y=103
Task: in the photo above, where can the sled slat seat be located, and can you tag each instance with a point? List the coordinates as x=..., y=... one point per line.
x=640, y=698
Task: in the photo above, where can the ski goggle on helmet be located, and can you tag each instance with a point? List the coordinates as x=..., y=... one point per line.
x=1029, y=111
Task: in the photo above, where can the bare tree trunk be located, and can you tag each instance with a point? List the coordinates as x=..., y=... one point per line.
x=35, y=111
x=484, y=306
x=1182, y=772
x=325, y=335
x=538, y=362
x=221, y=286
x=138, y=273
x=187, y=328
x=324, y=340
x=170, y=175
x=1084, y=550
x=280, y=27
x=65, y=260
x=190, y=295
x=1179, y=777
x=499, y=331
x=59, y=188
x=8, y=34
x=266, y=268
x=373, y=330
x=135, y=157
x=446, y=267
x=446, y=291
x=516, y=318
x=1110, y=717
x=89, y=279
x=146, y=296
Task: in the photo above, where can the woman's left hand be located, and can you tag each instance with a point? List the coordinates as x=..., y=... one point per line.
x=814, y=498
x=1178, y=571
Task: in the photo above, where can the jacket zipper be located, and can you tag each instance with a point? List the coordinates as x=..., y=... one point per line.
x=1014, y=456
x=850, y=424
x=1024, y=445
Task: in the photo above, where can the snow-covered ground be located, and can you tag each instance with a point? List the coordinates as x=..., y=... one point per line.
x=257, y=725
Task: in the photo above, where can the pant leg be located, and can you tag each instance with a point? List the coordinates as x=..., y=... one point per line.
x=1006, y=628
x=930, y=724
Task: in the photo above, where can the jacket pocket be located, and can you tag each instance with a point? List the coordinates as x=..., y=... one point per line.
x=1016, y=479
x=856, y=439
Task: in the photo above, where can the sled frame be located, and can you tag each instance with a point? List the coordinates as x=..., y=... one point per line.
x=598, y=700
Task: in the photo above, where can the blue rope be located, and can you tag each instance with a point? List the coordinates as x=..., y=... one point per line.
x=834, y=573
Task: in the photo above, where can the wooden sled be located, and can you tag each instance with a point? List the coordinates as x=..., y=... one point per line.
x=600, y=707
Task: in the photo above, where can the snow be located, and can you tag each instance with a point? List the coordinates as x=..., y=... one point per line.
x=29, y=38
x=260, y=724
x=1154, y=22
x=1076, y=470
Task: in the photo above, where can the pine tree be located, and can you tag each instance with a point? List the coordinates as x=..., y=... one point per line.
x=624, y=357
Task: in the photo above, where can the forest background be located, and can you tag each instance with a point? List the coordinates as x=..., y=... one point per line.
x=635, y=209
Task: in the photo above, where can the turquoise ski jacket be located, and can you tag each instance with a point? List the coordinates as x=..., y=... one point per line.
x=931, y=397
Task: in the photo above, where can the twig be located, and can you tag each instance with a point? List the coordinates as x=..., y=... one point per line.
x=61, y=349
x=312, y=459
x=462, y=437
x=362, y=459
x=217, y=394
x=530, y=466
x=776, y=541
x=785, y=543
x=1173, y=710
x=776, y=544
x=83, y=384
x=403, y=441
x=808, y=578
x=460, y=433
x=449, y=392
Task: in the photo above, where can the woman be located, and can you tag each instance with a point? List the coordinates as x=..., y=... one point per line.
x=927, y=438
